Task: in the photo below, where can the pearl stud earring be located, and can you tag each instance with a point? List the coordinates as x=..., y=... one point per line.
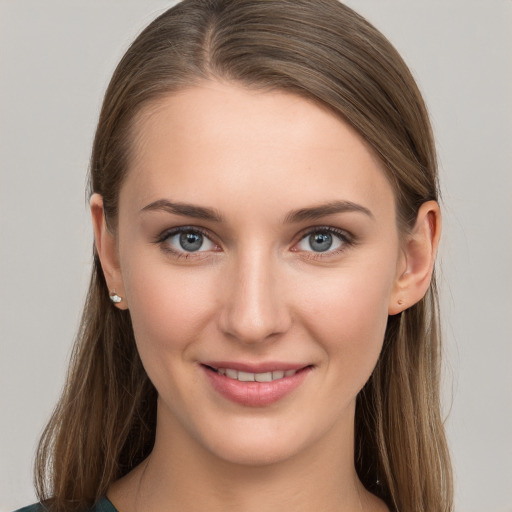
x=116, y=299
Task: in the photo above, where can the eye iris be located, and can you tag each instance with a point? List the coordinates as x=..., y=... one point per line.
x=320, y=242
x=191, y=241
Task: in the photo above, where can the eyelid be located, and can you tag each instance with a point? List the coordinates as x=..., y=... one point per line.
x=346, y=238
x=168, y=233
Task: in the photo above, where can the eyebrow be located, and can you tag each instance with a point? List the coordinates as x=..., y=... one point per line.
x=331, y=208
x=185, y=209
x=295, y=216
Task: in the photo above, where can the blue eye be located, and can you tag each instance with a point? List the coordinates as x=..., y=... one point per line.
x=188, y=240
x=322, y=240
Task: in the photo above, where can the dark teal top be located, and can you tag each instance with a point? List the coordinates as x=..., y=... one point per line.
x=104, y=505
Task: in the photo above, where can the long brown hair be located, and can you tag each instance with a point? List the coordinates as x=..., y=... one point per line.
x=104, y=424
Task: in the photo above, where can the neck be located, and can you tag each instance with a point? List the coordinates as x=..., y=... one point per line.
x=180, y=474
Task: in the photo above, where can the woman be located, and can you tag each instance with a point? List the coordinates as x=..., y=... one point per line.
x=261, y=329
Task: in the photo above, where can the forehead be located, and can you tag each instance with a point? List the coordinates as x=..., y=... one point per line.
x=215, y=142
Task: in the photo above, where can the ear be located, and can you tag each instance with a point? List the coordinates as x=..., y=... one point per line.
x=419, y=254
x=106, y=247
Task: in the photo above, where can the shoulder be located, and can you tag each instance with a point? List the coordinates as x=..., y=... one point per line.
x=36, y=507
x=104, y=505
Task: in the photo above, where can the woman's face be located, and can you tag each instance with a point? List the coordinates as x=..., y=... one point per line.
x=258, y=251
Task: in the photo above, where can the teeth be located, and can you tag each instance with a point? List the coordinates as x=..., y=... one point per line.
x=232, y=374
x=255, y=377
x=263, y=377
x=246, y=376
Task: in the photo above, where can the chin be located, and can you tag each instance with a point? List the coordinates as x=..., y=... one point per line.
x=261, y=444
x=256, y=453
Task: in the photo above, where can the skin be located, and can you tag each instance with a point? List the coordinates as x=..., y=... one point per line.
x=257, y=291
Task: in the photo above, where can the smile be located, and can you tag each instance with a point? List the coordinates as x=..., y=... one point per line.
x=265, y=385
x=241, y=376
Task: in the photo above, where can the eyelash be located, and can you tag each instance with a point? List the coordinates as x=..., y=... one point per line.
x=347, y=240
x=162, y=239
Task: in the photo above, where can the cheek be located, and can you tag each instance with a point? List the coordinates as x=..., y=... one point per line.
x=351, y=300
x=347, y=314
x=169, y=306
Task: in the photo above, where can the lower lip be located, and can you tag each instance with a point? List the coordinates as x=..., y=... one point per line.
x=255, y=394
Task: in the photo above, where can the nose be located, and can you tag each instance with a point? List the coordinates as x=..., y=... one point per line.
x=254, y=307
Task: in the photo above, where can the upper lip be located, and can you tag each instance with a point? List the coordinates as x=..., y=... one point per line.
x=269, y=366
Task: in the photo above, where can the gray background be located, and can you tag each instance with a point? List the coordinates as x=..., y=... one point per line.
x=55, y=60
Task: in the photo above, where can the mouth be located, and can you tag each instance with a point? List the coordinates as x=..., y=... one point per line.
x=244, y=376
x=255, y=385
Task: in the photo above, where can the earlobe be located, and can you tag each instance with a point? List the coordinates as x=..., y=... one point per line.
x=106, y=249
x=419, y=252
